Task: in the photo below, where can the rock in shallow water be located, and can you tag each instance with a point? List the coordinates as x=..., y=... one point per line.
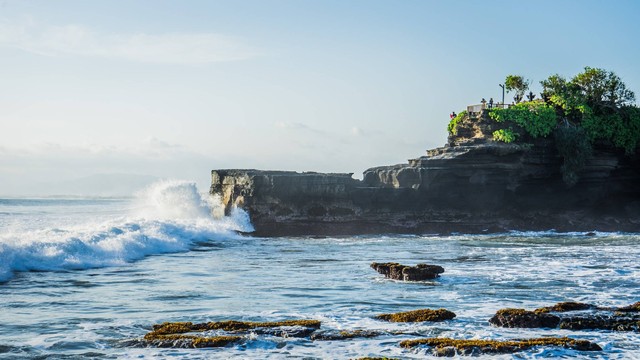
x=401, y=272
x=616, y=319
x=418, y=316
x=452, y=347
x=173, y=334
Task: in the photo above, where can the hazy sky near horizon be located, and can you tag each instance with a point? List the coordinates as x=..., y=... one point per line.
x=172, y=89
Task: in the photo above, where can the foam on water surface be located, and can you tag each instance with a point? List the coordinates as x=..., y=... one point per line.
x=209, y=273
x=166, y=217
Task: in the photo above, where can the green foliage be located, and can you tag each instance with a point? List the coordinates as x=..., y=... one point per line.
x=575, y=149
x=518, y=84
x=602, y=89
x=622, y=128
x=452, y=128
x=536, y=118
x=504, y=135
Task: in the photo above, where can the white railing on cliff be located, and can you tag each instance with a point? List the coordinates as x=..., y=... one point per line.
x=476, y=109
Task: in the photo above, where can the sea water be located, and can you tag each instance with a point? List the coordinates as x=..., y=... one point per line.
x=85, y=278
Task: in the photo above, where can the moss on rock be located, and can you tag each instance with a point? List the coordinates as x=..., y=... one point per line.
x=564, y=307
x=345, y=334
x=189, y=341
x=418, y=316
x=229, y=325
x=171, y=334
x=451, y=347
x=521, y=318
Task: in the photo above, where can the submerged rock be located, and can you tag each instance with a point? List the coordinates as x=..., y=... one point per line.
x=452, y=347
x=345, y=335
x=189, y=341
x=418, y=316
x=397, y=271
x=229, y=325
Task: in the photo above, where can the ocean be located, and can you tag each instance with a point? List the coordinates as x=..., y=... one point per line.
x=89, y=277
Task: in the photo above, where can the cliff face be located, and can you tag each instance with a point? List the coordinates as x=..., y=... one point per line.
x=471, y=185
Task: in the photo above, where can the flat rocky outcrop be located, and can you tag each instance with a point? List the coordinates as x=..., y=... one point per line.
x=420, y=315
x=471, y=185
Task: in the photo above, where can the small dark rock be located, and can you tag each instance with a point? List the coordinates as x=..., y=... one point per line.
x=408, y=273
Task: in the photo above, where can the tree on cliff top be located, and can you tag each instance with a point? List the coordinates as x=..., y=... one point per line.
x=518, y=84
x=594, y=107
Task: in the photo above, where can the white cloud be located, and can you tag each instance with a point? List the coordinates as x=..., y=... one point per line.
x=78, y=40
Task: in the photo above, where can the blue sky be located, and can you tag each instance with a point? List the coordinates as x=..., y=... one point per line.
x=177, y=88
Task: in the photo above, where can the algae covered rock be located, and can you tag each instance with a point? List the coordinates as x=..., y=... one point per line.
x=189, y=341
x=452, y=347
x=601, y=322
x=397, y=271
x=345, y=334
x=174, y=334
x=521, y=318
x=565, y=307
x=590, y=318
x=418, y=316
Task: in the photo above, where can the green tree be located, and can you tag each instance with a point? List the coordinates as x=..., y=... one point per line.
x=518, y=84
x=602, y=90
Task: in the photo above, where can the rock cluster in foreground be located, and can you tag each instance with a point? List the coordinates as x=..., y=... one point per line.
x=564, y=316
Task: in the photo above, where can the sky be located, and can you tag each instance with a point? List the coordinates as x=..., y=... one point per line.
x=99, y=97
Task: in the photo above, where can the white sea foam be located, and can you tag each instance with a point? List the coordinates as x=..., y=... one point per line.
x=168, y=216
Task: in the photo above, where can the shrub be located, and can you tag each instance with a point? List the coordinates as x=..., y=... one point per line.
x=452, y=128
x=536, y=118
x=504, y=135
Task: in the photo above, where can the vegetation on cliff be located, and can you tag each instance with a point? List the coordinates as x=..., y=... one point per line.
x=592, y=108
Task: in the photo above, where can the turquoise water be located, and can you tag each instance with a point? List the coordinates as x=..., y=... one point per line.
x=83, y=278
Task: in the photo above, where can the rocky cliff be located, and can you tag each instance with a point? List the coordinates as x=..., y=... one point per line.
x=471, y=185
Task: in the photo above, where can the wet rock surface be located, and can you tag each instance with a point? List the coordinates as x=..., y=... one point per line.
x=563, y=316
x=418, y=316
x=521, y=318
x=345, y=334
x=452, y=347
x=397, y=271
x=181, y=334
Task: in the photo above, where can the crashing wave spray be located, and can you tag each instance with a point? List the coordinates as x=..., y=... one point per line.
x=168, y=216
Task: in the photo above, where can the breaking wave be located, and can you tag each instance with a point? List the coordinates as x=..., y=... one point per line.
x=168, y=216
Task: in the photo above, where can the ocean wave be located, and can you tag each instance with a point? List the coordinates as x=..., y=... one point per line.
x=166, y=217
